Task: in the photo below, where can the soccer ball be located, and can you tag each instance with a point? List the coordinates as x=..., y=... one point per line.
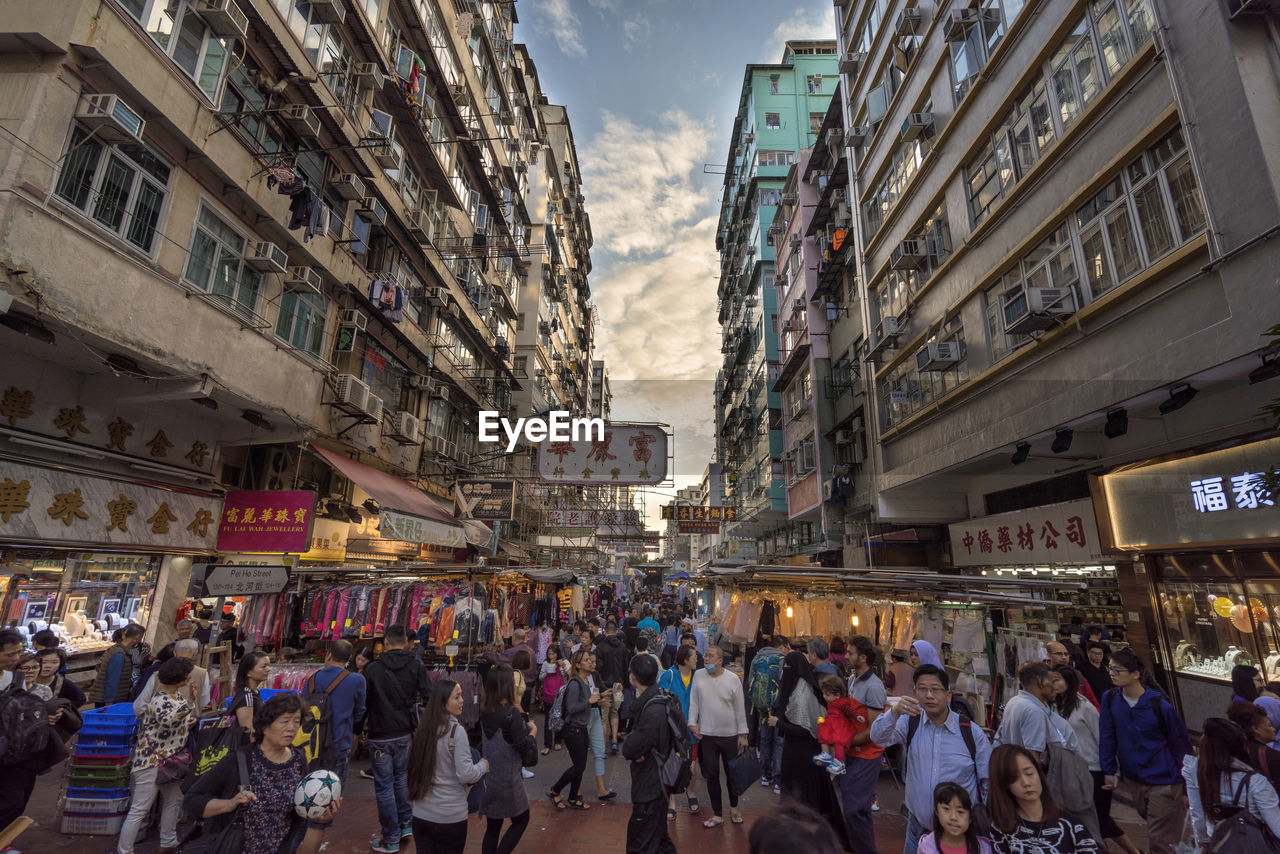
x=314, y=794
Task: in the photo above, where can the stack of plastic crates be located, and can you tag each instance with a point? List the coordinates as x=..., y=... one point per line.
x=97, y=798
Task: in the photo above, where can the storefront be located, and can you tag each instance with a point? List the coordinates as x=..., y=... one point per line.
x=1204, y=533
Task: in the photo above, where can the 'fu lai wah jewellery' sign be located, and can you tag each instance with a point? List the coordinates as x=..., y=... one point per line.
x=633, y=454
x=49, y=505
x=1055, y=534
x=698, y=513
x=261, y=521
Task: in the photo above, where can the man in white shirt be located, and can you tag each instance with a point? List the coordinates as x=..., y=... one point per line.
x=718, y=719
x=197, y=687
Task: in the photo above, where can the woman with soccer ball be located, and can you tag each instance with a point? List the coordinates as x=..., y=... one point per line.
x=280, y=806
x=440, y=770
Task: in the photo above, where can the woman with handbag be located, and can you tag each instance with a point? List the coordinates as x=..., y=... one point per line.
x=509, y=744
x=1222, y=785
x=440, y=770
x=247, y=799
x=162, y=757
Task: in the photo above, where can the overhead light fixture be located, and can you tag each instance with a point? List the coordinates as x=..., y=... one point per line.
x=372, y=506
x=1021, y=451
x=1062, y=440
x=27, y=326
x=790, y=613
x=207, y=402
x=353, y=514
x=124, y=365
x=333, y=510
x=1117, y=423
x=256, y=419
x=1270, y=369
x=1179, y=397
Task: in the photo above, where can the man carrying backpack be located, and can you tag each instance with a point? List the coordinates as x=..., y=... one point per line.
x=763, y=684
x=1141, y=736
x=646, y=747
x=18, y=766
x=346, y=693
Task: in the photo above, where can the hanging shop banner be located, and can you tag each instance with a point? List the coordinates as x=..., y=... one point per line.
x=629, y=546
x=1217, y=498
x=405, y=528
x=48, y=505
x=485, y=500
x=231, y=580
x=328, y=541
x=1054, y=534
x=628, y=454
x=699, y=513
x=266, y=522
x=688, y=526
x=591, y=518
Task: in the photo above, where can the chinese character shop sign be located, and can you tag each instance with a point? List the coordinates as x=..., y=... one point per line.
x=634, y=454
x=1209, y=499
x=266, y=522
x=486, y=500
x=50, y=505
x=1055, y=534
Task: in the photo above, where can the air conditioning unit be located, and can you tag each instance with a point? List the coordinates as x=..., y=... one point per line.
x=441, y=393
x=266, y=257
x=797, y=305
x=437, y=296
x=348, y=186
x=857, y=134
x=843, y=437
x=889, y=327
x=404, y=427
x=959, y=23
x=111, y=118
x=224, y=18
x=787, y=326
x=844, y=218
x=908, y=255
x=916, y=124
x=373, y=210
x=420, y=227
x=304, y=278
x=851, y=61
x=388, y=155
x=938, y=356
x=453, y=310
x=1029, y=309
x=349, y=393
x=373, y=407
x=910, y=22
x=369, y=73
x=796, y=241
x=327, y=12
x=353, y=317
x=419, y=381
x=302, y=119
x=790, y=198
x=459, y=92
x=827, y=490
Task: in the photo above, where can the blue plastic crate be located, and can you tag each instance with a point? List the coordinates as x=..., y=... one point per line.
x=86, y=793
x=112, y=742
x=117, y=719
x=83, y=749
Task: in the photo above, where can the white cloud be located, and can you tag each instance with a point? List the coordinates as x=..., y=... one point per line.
x=556, y=18
x=636, y=31
x=605, y=5
x=804, y=24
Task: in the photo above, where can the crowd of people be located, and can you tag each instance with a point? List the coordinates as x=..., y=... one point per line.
x=824, y=714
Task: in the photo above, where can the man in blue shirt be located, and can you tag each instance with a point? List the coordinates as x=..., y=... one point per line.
x=346, y=702
x=936, y=752
x=649, y=622
x=1028, y=720
x=819, y=655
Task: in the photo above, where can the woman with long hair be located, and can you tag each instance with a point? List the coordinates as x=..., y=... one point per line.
x=509, y=741
x=1260, y=737
x=553, y=672
x=1024, y=815
x=579, y=701
x=1069, y=702
x=440, y=769
x=51, y=663
x=254, y=669
x=1220, y=781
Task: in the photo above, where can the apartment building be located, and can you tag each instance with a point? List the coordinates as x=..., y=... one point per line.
x=780, y=110
x=313, y=220
x=1062, y=213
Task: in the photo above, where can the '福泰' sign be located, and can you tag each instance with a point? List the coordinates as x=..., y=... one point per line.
x=266, y=522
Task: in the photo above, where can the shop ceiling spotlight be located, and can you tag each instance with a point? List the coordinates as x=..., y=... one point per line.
x=1178, y=398
x=1270, y=369
x=1021, y=451
x=255, y=418
x=207, y=402
x=1062, y=440
x=372, y=506
x=1117, y=423
x=354, y=515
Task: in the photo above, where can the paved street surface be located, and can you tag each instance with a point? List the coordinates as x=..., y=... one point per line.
x=600, y=830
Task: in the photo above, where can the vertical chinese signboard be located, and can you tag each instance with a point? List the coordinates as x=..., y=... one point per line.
x=1055, y=534
x=266, y=522
x=634, y=454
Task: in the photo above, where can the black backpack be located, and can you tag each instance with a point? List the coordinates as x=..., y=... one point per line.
x=675, y=769
x=24, y=725
x=315, y=737
x=1239, y=831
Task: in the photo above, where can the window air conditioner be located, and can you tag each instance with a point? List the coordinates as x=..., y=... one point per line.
x=857, y=134
x=1029, y=309
x=370, y=74
x=889, y=327
x=843, y=217
x=787, y=326
x=910, y=22
x=851, y=61
x=302, y=120
x=420, y=227
x=937, y=356
x=224, y=18
x=790, y=198
x=959, y=23
x=304, y=278
x=349, y=393
x=388, y=155
x=327, y=12
x=843, y=437
x=796, y=241
x=916, y=124
x=110, y=117
x=436, y=296
x=373, y=210
x=348, y=186
x=266, y=257
x=797, y=305
x=373, y=407
x=404, y=427
x=353, y=317
x=908, y=255
x=441, y=393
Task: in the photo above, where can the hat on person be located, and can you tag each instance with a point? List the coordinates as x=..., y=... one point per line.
x=899, y=655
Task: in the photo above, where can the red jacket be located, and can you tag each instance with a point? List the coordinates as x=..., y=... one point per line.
x=841, y=723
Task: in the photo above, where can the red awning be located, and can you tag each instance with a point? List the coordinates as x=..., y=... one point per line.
x=391, y=492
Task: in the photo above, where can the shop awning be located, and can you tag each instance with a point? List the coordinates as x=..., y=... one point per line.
x=478, y=534
x=512, y=550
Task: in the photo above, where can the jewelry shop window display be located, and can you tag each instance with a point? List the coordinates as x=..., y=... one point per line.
x=1211, y=627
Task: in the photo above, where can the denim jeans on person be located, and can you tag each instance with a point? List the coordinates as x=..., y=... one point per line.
x=340, y=764
x=770, y=751
x=915, y=830
x=595, y=732
x=857, y=792
x=391, y=784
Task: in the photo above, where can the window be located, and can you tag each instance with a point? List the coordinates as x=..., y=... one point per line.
x=241, y=97
x=775, y=158
x=772, y=121
x=1076, y=77
x=216, y=264
x=814, y=84
x=121, y=187
x=769, y=197
x=815, y=122
x=970, y=52
x=181, y=33
x=906, y=391
x=301, y=321
x=1002, y=343
x=773, y=84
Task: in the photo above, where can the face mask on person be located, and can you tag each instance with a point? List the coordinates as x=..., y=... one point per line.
x=711, y=668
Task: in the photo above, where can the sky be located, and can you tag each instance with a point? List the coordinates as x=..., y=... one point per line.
x=652, y=90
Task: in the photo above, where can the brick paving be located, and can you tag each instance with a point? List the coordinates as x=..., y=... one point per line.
x=600, y=830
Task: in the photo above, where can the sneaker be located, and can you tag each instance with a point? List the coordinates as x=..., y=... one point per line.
x=382, y=846
x=835, y=767
x=766, y=782
x=366, y=773
x=406, y=829
x=824, y=759
x=777, y=788
x=526, y=773
x=875, y=805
